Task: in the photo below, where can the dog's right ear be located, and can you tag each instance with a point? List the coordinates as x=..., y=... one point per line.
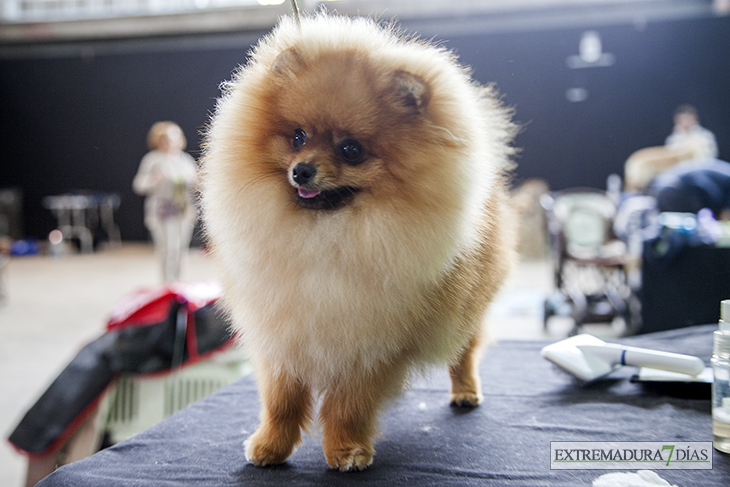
x=287, y=63
x=411, y=91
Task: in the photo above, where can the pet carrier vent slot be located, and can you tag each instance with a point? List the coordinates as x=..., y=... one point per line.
x=180, y=393
x=125, y=407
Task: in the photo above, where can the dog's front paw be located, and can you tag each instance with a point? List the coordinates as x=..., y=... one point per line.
x=262, y=450
x=466, y=399
x=350, y=459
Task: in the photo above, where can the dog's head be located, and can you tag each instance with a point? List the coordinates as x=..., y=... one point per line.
x=341, y=122
x=347, y=117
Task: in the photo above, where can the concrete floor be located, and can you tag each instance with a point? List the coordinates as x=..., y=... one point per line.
x=55, y=306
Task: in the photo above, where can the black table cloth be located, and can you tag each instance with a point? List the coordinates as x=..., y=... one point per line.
x=506, y=441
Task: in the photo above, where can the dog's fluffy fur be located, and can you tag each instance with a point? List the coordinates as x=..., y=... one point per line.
x=341, y=295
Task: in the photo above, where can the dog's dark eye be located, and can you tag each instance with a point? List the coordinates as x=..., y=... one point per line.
x=351, y=151
x=299, y=140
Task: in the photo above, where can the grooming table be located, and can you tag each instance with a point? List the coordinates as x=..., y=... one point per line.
x=504, y=442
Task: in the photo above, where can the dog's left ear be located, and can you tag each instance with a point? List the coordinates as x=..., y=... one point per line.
x=411, y=91
x=287, y=62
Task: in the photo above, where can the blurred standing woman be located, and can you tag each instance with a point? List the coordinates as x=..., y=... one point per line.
x=167, y=176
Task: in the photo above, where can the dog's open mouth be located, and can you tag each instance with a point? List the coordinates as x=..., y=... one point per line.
x=330, y=199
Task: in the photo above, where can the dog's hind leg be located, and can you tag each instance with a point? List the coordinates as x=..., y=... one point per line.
x=466, y=385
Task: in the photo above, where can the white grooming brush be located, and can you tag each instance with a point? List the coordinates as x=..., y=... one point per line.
x=589, y=358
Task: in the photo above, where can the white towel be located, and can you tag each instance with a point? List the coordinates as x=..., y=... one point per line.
x=642, y=478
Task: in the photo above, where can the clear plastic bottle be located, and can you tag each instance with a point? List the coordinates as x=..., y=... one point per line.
x=721, y=384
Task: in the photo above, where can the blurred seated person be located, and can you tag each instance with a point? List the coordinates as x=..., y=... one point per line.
x=688, y=141
x=691, y=186
x=689, y=134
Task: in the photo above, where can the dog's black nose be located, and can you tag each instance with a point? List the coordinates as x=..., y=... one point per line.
x=303, y=173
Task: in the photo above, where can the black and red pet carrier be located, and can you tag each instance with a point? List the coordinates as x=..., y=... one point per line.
x=151, y=331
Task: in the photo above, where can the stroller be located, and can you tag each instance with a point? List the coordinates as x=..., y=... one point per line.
x=589, y=262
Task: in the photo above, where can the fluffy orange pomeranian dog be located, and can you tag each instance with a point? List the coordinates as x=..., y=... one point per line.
x=354, y=197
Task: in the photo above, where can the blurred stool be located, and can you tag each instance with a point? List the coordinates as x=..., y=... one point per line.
x=108, y=204
x=79, y=214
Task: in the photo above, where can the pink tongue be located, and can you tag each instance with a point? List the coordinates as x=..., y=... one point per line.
x=307, y=193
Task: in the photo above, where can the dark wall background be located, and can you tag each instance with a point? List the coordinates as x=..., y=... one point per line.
x=76, y=116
